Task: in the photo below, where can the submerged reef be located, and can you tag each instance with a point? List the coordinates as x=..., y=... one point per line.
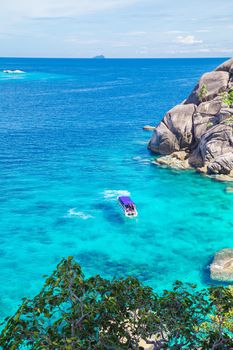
x=201, y=127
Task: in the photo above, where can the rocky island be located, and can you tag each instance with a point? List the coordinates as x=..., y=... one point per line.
x=99, y=57
x=198, y=133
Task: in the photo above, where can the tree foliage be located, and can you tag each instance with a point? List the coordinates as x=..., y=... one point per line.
x=74, y=312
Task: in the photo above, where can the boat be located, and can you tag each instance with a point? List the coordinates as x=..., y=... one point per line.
x=128, y=206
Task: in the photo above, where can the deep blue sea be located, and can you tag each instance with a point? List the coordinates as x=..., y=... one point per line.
x=71, y=141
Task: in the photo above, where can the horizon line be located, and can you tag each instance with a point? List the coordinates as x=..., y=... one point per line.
x=112, y=58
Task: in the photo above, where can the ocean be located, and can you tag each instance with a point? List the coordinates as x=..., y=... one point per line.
x=71, y=141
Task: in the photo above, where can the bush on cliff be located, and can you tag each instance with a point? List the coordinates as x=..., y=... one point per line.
x=72, y=312
x=227, y=98
x=203, y=93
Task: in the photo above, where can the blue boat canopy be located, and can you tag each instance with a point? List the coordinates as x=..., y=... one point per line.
x=126, y=200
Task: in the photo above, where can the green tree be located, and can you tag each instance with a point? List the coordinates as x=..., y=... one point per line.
x=181, y=313
x=74, y=312
x=219, y=329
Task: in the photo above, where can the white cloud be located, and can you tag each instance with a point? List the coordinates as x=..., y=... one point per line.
x=188, y=40
x=174, y=32
x=204, y=50
x=136, y=33
x=16, y=16
x=118, y=28
x=80, y=41
x=225, y=50
x=203, y=31
x=60, y=8
x=143, y=50
x=120, y=44
x=187, y=51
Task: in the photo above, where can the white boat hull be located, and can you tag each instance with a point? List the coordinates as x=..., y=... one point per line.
x=131, y=215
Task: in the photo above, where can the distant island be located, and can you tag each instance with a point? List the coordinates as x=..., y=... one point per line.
x=99, y=57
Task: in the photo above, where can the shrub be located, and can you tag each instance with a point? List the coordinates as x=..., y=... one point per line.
x=209, y=124
x=203, y=93
x=227, y=98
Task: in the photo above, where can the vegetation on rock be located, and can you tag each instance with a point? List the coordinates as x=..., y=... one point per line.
x=203, y=93
x=228, y=120
x=72, y=312
x=227, y=98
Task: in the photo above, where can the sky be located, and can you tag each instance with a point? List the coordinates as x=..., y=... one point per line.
x=116, y=28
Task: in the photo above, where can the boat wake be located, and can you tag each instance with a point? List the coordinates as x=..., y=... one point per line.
x=16, y=71
x=114, y=194
x=79, y=214
x=88, y=89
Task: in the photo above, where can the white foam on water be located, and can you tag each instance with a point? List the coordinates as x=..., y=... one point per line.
x=142, y=160
x=114, y=194
x=79, y=214
x=140, y=142
x=88, y=89
x=16, y=71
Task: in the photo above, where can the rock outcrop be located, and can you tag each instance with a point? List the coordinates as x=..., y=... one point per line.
x=149, y=128
x=202, y=125
x=176, y=160
x=221, y=268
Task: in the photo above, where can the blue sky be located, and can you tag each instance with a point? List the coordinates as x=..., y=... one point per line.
x=116, y=28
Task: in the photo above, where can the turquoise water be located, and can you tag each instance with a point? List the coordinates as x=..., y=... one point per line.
x=71, y=141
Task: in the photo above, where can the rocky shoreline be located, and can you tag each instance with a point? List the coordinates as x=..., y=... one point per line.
x=198, y=133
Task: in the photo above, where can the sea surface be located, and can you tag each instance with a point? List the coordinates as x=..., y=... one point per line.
x=71, y=141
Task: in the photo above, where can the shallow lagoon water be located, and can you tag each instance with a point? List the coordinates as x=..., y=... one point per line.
x=71, y=141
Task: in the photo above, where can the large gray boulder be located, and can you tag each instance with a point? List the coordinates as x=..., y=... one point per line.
x=222, y=164
x=180, y=120
x=215, y=142
x=210, y=107
x=221, y=268
x=215, y=83
x=175, y=130
x=225, y=114
x=201, y=122
x=227, y=66
x=163, y=140
x=205, y=117
x=202, y=125
x=230, y=84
